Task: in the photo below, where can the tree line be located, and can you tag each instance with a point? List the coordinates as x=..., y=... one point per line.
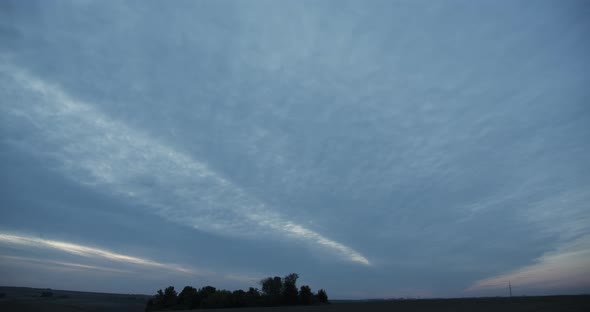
x=275, y=291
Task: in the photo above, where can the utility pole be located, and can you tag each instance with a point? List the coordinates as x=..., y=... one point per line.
x=510, y=288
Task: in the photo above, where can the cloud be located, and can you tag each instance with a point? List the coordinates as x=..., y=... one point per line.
x=112, y=157
x=88, y=252
x=99, y=254
x=64, y=264
x=563, y=214
x=565, y=268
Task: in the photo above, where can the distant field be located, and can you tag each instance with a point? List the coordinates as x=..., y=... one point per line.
x=30, y=299
x=24, y=299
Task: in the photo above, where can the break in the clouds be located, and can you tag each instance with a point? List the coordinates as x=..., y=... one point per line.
x=383, y=148
x=567, y=267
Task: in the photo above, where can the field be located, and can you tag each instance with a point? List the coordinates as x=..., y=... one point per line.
x=24, y=299
x=31, y=299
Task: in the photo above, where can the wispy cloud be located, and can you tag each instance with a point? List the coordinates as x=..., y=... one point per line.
x=567, y=267
x=88, y=252
x=100, y=152
x=64, y=264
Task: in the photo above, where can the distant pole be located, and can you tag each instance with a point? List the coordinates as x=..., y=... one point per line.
x=510, y=288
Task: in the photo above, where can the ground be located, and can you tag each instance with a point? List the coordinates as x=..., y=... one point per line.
x=30, y=299
x=24, y=299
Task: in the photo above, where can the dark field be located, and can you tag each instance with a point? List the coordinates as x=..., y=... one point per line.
x=30, y=299
x=24, y=299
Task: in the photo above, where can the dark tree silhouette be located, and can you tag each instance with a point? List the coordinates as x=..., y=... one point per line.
x=322, y=296
x=158, y=300
x=189, y=297
x=254, y=298
x=207, y=291
x=218, y=299
x=305, y=295
x=170, y=297
x=275, y=291
x=272, y=287
x=238, y=298
x=289, y=290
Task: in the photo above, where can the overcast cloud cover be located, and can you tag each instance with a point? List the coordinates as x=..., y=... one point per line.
x=377, y=148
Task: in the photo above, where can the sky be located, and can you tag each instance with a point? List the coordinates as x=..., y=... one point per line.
x=377, y=148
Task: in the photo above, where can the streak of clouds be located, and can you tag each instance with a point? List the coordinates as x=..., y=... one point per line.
x=64, y=264
x=100, y=152
x=108, y=260
x=86, y=251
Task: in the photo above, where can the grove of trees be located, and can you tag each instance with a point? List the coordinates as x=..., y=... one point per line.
x=275, y=291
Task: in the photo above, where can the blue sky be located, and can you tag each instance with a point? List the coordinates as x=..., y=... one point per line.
x=377, y=148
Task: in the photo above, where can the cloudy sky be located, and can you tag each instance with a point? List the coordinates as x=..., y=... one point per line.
x=377, y=148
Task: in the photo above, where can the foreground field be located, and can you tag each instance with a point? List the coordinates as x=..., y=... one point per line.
x=520, y=304
x=31, y=299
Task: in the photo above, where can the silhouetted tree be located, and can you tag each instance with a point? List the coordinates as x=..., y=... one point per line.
x=238, y=298
x=163, y=299
x=275, y=291
x=289, y=289
x=170, y=297
x=218, y=299
x=253, y=292
x=253, y=297
x=158, y=300
x=188, y=297
x=207, y=291
x=272, y=287
x=322, y=296
x=305, y=295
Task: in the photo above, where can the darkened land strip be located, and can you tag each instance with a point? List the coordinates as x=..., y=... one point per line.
x=30, y=299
